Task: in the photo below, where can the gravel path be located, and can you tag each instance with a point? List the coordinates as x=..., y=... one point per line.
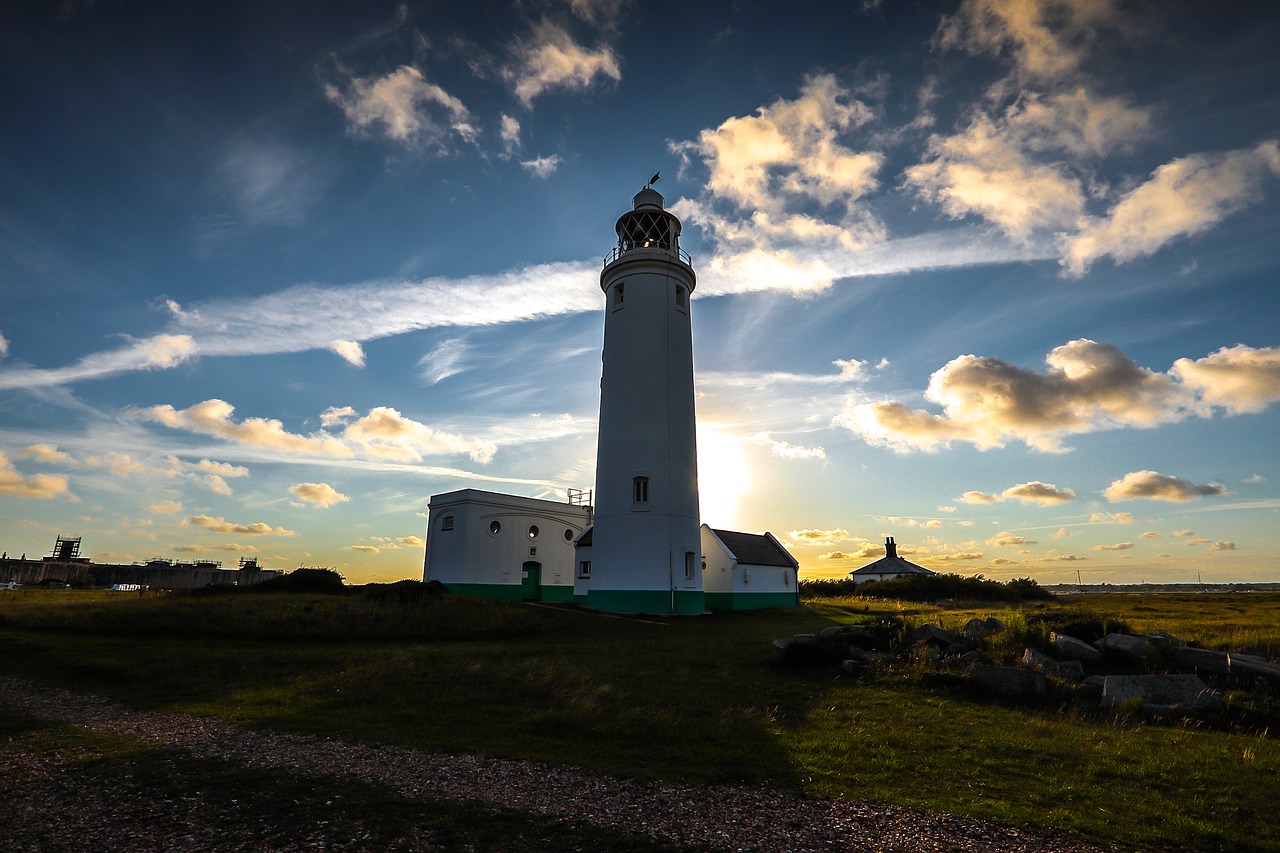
x=722, y=817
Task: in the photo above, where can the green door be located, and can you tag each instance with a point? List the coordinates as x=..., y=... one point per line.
x=531, y=584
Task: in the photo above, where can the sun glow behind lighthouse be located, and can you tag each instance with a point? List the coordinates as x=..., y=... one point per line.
x=723, y=475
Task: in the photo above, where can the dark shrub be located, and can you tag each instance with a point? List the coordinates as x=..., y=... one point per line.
x=403, y=592
x=926, y=588
x=307, y=581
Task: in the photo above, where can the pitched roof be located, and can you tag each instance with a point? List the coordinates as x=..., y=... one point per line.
x=892, y=566
x=755, y=549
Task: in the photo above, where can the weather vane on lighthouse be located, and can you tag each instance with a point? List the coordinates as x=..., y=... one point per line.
x=653, y=180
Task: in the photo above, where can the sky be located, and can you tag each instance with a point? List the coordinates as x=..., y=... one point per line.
x=994, y=277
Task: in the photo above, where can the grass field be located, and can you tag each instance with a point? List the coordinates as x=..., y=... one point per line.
x=695, y=700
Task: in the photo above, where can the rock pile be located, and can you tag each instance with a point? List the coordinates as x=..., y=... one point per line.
x=1156, y=673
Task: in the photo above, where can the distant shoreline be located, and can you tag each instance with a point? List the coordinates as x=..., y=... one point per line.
x=1114, y=588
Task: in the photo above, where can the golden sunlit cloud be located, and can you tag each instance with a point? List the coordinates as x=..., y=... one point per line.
x=1159, y=487
x=48, y=453
x=318, y=494
x=220, y=525
x=1111, y=518
x=165, y=507
x=35, y=486
x=1118, y=546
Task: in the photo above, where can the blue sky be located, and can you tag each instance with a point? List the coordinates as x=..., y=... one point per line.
x=995, y=278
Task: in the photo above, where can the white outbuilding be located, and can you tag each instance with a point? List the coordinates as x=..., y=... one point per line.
x=503, y=546
x=888, y=567
x=747, y=571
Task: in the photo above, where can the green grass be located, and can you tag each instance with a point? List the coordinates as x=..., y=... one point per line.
x=697, y=700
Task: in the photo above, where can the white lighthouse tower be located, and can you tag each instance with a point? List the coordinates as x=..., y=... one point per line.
x=645, y=547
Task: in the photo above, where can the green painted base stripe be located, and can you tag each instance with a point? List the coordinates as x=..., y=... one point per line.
x=750, y=600
x=557, y=594
x=653, y=601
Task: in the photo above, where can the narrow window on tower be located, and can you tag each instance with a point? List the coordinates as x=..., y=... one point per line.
x=689, y=559
x=618, y=295
x=640, y=491
x=682, y=297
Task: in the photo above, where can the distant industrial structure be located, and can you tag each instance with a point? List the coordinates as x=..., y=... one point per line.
x=65, y=567
x=640, y=545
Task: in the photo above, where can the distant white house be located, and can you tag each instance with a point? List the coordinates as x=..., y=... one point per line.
x=503, y=546
x=888, y=567
x=747, y=571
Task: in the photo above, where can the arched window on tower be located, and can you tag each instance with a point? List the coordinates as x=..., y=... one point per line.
x=640, y=491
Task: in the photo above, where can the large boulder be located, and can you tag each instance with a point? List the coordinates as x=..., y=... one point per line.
x=1138, y=649
x=934, y=635
x=1255, y=666
x=1008, y=681
x=1071, y=670
x=976, y=629
x=1161, y=694
x=1073, y=649
x=1204, y=661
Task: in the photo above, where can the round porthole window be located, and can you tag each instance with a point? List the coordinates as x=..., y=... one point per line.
x=568, y=535
x=494, y=527
x=533, y=531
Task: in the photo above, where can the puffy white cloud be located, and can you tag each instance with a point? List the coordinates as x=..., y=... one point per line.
x=4, y=346
x=1222, y=546
x=1111, y=518
x=34, y=486
x=977, y=497
x=366, y=549
x=412, y=541
x=542, y=167
x=1181, y=198
x=385, y=432
x=1047, y=39
x=319, y=494
x=787, y=450
x=350, y=351
x=1184, y=533
x=1237, y=379
x=786, y=156
x=984, y=172
x=404, y=105
x=1045, y=494
x=815, y=536
x=549, y=59
x=213, y=549
x=48, y=453
x=510, y=135
x=213, y=417
x=1089, y=386
x=334, y=416
x=165, y=507
x=1005, y=539
x=221, y=525
x=1159, y=487
x=1118, y=546
x=1151, y=534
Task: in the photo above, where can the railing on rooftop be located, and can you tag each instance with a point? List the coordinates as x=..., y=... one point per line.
x=619, y=251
